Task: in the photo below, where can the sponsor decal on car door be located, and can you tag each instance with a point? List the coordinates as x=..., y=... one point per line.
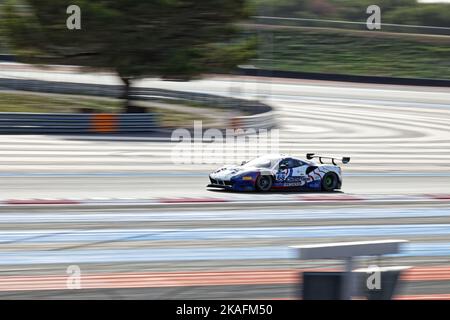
x=298, y=176
x=293, y=176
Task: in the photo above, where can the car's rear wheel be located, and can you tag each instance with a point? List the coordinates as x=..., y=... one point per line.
x=329, y=181
x=263, y=183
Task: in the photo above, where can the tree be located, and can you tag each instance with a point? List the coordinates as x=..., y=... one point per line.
x=136, y=38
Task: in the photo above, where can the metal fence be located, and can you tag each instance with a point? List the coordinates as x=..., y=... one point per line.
x=77, y=123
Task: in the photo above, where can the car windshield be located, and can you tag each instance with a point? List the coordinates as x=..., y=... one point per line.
x=261, y=162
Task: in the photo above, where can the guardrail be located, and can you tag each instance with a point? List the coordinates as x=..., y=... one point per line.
x=261, y=116
x=115, y=91
x=256, y=72
x=61, y=87
x=77, y=123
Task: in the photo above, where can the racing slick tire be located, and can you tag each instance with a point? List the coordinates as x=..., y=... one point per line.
x=263, y=183
x=330, y=181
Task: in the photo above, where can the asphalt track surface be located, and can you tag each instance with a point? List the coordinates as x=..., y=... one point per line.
x=399, y=141
x=193, y=186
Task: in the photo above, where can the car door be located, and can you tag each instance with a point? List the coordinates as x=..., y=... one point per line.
x=291, y=172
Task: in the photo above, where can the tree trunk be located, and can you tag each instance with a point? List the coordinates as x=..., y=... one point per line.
x=128, y=106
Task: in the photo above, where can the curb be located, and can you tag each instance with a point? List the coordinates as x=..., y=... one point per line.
x=233, y=200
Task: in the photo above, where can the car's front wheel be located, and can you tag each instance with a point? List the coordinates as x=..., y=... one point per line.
x=329, y=181
x=263, y=183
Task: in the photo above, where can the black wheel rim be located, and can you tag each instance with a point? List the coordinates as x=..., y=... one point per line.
x=329, y=181
x=264, y=183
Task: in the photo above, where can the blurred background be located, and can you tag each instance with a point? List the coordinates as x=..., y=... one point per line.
x=94, y=204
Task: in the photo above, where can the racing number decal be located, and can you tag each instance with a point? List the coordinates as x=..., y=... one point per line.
x=282, y=175
x=290, y=178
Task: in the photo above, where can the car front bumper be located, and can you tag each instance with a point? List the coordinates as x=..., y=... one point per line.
x=220, y=186
x=233, y=184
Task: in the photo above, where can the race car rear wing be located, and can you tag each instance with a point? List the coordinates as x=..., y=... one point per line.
x=344, y=160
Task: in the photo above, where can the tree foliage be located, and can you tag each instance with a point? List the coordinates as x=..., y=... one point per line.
x=137, y=38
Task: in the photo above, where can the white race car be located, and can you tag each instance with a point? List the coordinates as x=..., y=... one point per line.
x=278, y=171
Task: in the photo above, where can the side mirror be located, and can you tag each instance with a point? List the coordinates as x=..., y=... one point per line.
x=283, y=166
